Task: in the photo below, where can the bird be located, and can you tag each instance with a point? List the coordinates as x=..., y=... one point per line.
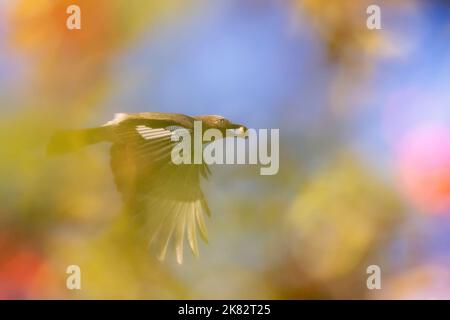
x=164, y=199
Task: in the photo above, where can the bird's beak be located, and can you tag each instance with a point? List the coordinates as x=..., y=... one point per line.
x=239, y=130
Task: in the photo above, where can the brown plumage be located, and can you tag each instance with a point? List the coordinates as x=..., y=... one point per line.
x=165, y=199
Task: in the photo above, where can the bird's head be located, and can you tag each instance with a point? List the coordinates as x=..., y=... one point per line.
x=222, y=124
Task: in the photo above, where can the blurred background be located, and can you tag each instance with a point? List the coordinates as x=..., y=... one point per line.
x=364, y=120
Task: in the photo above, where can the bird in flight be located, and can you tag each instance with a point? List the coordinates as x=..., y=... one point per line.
x=164, y=198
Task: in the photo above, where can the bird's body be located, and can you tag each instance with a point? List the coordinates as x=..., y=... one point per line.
x=160, y=117
x=165, y=198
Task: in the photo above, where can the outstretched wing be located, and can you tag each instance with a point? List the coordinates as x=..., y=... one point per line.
x=165, y=199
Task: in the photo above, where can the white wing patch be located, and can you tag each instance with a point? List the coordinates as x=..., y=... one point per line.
x=149, y=134
x=118, y=118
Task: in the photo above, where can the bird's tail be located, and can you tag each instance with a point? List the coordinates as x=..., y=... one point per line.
x=65, y=141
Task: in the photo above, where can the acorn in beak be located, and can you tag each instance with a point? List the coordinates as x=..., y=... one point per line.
x=239, y=130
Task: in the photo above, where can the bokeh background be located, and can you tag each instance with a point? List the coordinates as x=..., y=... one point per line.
x=364, y=120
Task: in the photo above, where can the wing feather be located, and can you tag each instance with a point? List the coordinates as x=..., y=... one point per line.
x=191, y=229
x=165, y=198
